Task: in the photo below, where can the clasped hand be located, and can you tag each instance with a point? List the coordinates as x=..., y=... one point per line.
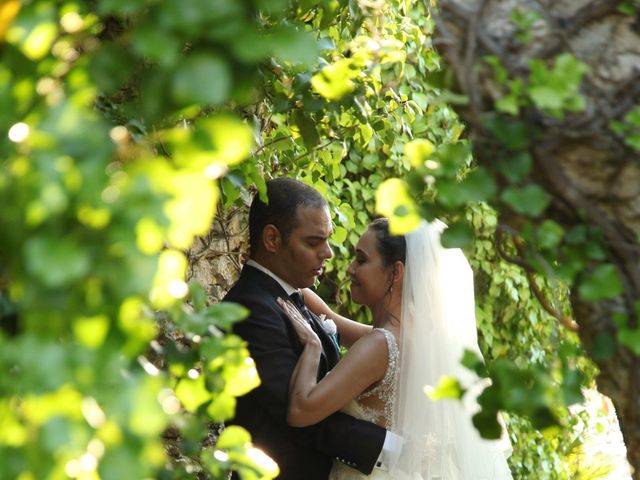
x=300, y=324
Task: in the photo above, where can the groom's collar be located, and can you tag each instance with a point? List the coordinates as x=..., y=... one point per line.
x=287, y=288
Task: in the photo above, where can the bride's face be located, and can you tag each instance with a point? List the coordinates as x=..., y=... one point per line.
x=370, y=278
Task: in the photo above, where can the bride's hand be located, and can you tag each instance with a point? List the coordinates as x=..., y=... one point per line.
x=300, y=324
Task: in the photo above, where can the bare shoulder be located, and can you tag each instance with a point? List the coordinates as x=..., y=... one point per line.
x=373, y=343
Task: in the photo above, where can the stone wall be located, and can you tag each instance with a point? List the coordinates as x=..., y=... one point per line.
x=215, y=260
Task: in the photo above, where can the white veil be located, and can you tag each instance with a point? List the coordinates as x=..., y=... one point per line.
x=438, y=323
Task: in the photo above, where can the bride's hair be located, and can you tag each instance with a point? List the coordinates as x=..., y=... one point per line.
x=392, y=248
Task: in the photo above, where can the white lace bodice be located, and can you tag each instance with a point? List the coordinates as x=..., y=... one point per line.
x=385, y=391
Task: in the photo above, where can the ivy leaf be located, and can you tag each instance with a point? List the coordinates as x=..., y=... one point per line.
x=233, y=437
x=487, y=424
x=630, y=339
x=515, y=168
x=603, y=347
x=192, y=393
x=417, y=151
x=307, y=129
x=448, y=387
x=600, y=284
x=225, y=314
x=393, y=201
x=202, y=78
x=478, y=185
x=531, y=200
x=549, y=234
x=56, y=261
x=335, y=81
x=221, y=407
x=457, y=235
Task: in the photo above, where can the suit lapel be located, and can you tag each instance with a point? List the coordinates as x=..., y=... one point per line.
x=272, y=289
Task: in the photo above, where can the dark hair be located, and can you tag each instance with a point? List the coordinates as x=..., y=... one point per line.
x=285, y=195
x=392, y=248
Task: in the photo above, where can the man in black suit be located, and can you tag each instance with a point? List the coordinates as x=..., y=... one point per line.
x=289, y=245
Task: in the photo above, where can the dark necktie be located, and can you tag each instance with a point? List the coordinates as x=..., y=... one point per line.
x=298, y=300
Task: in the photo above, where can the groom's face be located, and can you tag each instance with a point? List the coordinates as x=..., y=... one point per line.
x=302, y=255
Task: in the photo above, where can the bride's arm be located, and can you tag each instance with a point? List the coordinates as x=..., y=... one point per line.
x=311, y=401
x=349, y=330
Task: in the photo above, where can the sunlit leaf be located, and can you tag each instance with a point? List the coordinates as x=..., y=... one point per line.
x=448, y=387
x=417, y=151
x=147, y=417
x=172, y=268
x=192, y=393
x=232, y=437
x=336, y=80
x=221, y=407
x=91, y=331
x=393, y=201
x=8, y=11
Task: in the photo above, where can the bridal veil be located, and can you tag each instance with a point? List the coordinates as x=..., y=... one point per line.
x=438, y=324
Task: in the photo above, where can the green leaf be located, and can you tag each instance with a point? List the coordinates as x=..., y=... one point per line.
x=473, y=362
x=222, y=407
x=601, y=283
x=448, y=387
x=478, y=185
x=603, y=347
x=56, y=261
x=225, y=314
x=549, y=234
x=487, y=424
x=233, y=437
x=630, y=339
x=307, y=129
x=91, y=331
x=515, y=168
x=156, y=44
x=457, y=235
x=202, y=78
x=513, y=135
x=198, y=295
x=292, y=45
x=192, y=393
x=530, y=200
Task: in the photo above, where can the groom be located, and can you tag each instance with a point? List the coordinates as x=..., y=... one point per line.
x=289, y=241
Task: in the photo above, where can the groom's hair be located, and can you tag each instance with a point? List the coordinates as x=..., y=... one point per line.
x=284, y=196
x=392, y=248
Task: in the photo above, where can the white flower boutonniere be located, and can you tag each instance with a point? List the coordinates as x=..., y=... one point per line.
x=328, y=325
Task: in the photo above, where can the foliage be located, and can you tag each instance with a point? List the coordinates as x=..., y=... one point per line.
x=128, y=121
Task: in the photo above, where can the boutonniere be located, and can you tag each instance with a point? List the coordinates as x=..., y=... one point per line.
x=328, y=325
x=330, y=328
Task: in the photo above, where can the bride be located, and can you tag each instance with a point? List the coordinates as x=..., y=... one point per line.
x=421, y=300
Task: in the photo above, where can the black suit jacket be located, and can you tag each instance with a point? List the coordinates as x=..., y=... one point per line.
x=302, y=453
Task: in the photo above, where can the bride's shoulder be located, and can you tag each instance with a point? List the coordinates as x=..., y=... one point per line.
x=372, y=342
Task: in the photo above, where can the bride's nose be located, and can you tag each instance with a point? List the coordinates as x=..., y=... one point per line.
x=351, y=271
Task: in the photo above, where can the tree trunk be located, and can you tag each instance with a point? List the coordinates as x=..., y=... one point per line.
x=589, y=171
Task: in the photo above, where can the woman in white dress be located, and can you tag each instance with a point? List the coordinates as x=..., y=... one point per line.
x=421, y=299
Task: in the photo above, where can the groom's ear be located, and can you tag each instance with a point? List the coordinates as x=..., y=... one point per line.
x=271, y=238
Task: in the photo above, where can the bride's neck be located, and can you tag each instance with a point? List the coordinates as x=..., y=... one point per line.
x=385, y=313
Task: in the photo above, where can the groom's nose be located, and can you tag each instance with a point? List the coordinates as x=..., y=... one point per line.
x=326, y=251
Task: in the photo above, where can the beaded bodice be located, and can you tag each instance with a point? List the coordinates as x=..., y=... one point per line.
x=386, y=390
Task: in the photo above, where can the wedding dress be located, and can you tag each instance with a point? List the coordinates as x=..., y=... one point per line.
x=385, y=393
x=438, y=324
